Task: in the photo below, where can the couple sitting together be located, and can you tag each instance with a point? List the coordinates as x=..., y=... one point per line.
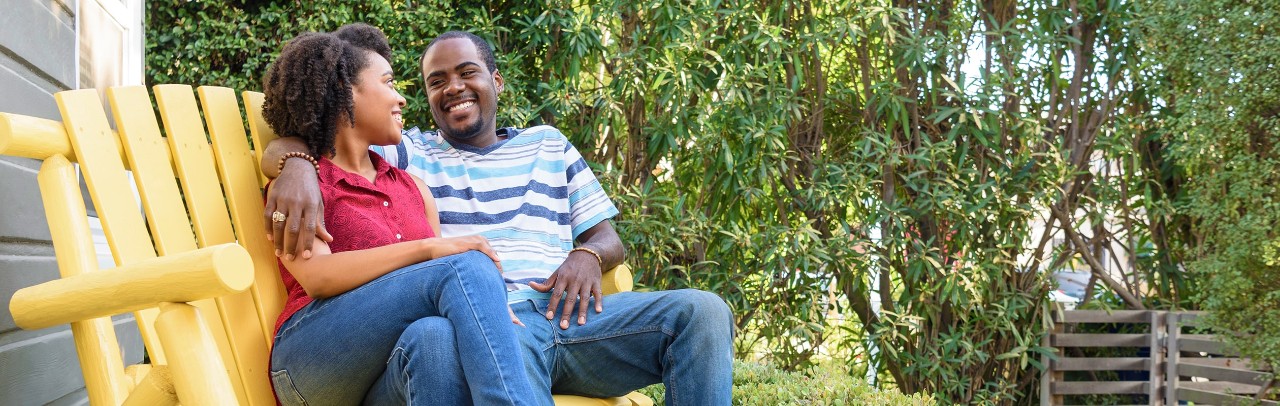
x=444, y=267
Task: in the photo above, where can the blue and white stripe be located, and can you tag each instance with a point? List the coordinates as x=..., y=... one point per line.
x=531, y=194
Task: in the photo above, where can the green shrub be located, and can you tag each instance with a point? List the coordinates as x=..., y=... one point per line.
x=824, y=384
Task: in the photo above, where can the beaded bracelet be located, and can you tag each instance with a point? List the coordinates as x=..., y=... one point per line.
x=589, y=251
x=297, y=154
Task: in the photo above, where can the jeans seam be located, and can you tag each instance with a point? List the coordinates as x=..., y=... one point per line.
x=506, y=389
x=288, y=382
x=404, y=371
x=616, y=334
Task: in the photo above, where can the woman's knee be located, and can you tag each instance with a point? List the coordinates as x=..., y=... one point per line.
x=475, y=265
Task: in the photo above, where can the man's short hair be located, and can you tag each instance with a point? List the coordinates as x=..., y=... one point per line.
x=486, y=51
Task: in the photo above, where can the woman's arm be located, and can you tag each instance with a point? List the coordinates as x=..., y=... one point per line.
x=433, y=215
x=328, y=274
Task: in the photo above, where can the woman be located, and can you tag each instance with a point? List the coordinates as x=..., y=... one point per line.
x=365, y=310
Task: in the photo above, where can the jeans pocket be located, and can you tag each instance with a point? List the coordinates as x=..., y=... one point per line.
x=286, y=393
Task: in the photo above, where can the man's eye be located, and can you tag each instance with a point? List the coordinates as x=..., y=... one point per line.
x=468, y=73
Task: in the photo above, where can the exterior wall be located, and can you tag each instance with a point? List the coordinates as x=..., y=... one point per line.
x=38, y=42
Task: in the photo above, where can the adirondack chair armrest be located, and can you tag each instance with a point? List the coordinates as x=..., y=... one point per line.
x=616, y=280
x=184, y=277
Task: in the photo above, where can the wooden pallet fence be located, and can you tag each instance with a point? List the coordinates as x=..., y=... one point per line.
x=1182, y=364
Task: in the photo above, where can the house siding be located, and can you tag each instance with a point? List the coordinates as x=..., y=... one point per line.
x=37, y=59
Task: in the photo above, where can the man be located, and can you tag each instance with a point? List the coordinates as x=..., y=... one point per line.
x=531, y=194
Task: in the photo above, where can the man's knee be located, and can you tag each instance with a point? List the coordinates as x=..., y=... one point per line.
x=705, y=308
x=431, y=340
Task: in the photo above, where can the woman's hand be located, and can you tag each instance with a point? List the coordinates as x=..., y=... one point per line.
x=443, y=247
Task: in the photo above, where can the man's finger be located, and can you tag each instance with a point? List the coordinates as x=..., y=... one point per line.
x=307, y=236
x=572, y=297
x=277, y=235
x=514, y=319
x=557, y=293
x=598, y=295
x=266, y=213
x=582, y=309
x=291, y=228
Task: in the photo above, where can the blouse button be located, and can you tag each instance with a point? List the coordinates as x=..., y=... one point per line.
x=385, y=203
x=397, y=236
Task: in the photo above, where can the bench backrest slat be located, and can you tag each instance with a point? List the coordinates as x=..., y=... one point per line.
x=96, y=151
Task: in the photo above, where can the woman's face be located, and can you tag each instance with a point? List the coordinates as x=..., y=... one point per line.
x=377, y=103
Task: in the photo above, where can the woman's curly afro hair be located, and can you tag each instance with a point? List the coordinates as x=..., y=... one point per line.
x=308, y=87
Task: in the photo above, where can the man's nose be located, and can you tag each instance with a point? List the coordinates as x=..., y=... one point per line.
x=454, y=86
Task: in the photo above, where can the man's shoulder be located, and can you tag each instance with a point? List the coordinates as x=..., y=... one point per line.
x=543, y=133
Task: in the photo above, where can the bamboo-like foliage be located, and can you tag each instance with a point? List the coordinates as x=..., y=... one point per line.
x=894, y=175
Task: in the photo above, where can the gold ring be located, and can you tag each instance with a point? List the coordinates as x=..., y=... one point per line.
x=277, y=217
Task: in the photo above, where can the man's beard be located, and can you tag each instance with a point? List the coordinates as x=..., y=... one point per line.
x=469, y=132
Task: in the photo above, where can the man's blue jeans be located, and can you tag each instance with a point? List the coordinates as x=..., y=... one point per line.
x=682, y=338
x=334, y=350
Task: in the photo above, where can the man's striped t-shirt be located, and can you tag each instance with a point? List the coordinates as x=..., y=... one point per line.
x=531, y=194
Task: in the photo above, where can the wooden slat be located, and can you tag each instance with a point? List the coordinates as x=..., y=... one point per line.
x=1173, y=354
x=1102, y=316
x=1211, y=396
x=1157, y=354
x=104, y=173
x=1102, y=364
x=238, y=172
x=1217, y=373
x=1228, y=362
x=1100, y=388
x=258, y=128
x=1204, y=343
x=194, y=160
x=1101, y=340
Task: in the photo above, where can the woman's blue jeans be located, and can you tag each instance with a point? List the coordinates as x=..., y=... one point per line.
x=334, y=350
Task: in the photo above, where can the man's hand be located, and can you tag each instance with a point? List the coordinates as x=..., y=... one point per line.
x=576, y=281
x=296, y=194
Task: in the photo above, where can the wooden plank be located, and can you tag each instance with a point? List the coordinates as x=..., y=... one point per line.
x=104, y=173
x=1223, y=387
x=1102, y=364
x=258, y=128
x=1172, y=355
x=1103, y=316
x=238, y=172
x=1101, y=340
x=1217, y=373
x=1156, y=344
x=1051, y=375
x=1202, y=396
x=1228, y=362
x=1101, y=388
x=1204, y=343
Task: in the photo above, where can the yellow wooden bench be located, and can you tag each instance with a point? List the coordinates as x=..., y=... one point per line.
x=193, y=264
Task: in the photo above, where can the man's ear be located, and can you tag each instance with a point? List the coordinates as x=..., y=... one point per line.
x=497, y=80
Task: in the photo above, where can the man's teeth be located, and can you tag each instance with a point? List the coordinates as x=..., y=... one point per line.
x=399, y=118
x=461, y=106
